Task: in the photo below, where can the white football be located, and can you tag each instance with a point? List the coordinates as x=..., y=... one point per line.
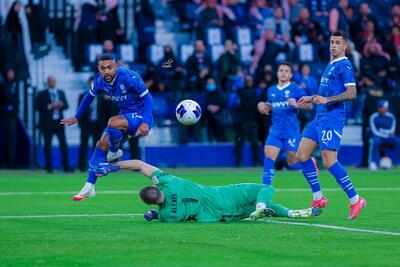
x=188, y=112
x=385, y=163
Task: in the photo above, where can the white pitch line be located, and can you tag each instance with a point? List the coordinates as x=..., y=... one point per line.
x=67, y=216
x=334, y=227
x=124, y=192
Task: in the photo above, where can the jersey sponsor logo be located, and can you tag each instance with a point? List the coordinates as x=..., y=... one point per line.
x=135, y=115
x=174, y=203
x=280, y=104
x=121, y=98
x=155, y=180
x=324, y=81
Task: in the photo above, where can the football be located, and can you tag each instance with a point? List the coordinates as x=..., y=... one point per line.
x=188, y=112
x=385, y=163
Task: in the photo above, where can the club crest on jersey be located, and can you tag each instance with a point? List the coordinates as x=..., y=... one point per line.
x=287, y=92
x=122, y=87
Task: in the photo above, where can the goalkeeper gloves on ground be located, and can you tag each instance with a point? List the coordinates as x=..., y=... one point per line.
x=151, y=215
x=102, y=169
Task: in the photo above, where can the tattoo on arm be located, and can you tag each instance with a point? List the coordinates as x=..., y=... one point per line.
x=349, y=94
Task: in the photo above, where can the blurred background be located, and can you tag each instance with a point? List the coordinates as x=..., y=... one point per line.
x=222, y=54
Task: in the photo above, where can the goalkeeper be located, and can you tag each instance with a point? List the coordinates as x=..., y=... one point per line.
x=181, y=200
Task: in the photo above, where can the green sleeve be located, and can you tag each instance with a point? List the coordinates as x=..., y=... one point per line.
x=160, y=177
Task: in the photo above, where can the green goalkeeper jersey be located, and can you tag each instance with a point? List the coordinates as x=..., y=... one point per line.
x=185, y=200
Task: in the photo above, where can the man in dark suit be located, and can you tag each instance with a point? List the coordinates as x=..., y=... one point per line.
x=92, y=122
x=50, y=103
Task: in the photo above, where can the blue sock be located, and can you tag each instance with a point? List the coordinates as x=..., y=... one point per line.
x=295, y=166
x=115, y=138
x=342, y=179
x=311, y=174
x=269, y=170
x=99, y=155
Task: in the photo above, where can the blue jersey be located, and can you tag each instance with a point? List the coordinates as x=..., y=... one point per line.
x=126, y=90
x=337, y=75
x=284, y=116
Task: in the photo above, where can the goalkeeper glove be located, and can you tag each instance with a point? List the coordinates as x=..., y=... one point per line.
x=102, y=169
x=151, y=215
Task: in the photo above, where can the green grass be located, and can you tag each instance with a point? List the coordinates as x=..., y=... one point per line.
x=131, y=241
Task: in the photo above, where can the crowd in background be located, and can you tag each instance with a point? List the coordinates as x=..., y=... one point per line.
x=229, y=88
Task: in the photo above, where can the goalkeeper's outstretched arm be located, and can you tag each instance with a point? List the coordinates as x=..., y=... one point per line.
x=137, y=165
x=104, y=169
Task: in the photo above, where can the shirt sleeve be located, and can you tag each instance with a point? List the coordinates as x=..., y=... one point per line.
x=95, y=87
x=159, y=177
x=348, y=75
x=137, y=84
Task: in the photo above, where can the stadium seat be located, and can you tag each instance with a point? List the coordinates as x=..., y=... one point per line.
x=214, y=36
x=93, y=51
x=127, y=53
x=216, y=52
x=155, y=53
x=185, y=51
x=245, y=53
x=243, y=36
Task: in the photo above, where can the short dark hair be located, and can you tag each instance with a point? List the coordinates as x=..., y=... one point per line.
x=340, y=33
x=106, y=56
x=285, y=63
x=150, y=195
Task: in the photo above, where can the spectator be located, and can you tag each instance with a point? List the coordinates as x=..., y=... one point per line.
x=306, y=80
x=9, y=104
x=167, y=67
x=263, y=122
x=243, y=102
x=50, y=103
x=369, y=35
x=265, y=51
x=391, y=39
x=259, y=12
x=37, y=22
x=211, y=15
x=237, y=14
x=108, y=24
x=86, y=29
x=228, y=63
x=213, y=114
x=383, y=126
x=371, y=92
x=16, y=57
x=395, y=15
x=306, y=30
x=394, y=66
x=360, y=23
x=375, y=60
x=280, y=26
x=92, y=122
x=145, y=20
x=340, y=16
x=198, y=66
x=294, y=9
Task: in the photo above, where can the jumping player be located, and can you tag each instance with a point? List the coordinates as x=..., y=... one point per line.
x=337, y=85
x=181, y=200
x=127, y=89
x=285, y=129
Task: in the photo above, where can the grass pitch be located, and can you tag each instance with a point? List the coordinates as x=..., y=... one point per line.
x=109, y=230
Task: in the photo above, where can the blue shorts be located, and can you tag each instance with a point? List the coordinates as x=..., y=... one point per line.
x=285, y=144
x=134, y=120
x=327, y=134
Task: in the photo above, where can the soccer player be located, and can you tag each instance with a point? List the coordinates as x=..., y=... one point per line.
x=127, y=89
x=337, y=85
x=285, y=129
x=182, y=200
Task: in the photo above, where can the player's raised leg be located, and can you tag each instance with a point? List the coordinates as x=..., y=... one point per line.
x=117, y=126
x=271, y=153
x=309, y=169
x=98, y=156
x=337, y=170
